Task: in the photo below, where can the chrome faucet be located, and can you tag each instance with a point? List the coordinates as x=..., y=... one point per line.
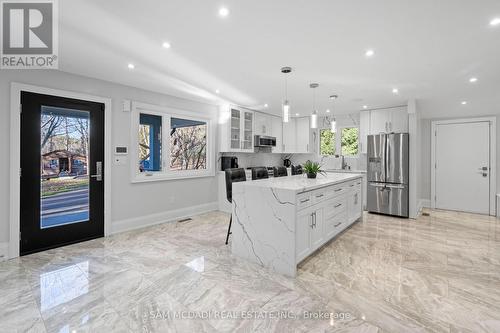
x=344, y=165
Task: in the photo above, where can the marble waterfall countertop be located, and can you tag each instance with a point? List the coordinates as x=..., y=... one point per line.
x=300, y=183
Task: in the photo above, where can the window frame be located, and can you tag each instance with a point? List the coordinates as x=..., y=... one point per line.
x=166, y=174
x=338, y=141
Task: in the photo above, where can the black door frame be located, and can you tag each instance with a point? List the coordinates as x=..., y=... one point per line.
x=15, y=155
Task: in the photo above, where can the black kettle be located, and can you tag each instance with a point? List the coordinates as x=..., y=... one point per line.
x=287, y=163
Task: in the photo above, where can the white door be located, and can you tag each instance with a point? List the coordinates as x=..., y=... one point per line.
x=463, y=167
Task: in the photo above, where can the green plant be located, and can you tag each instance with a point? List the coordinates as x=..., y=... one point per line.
x=312, y=168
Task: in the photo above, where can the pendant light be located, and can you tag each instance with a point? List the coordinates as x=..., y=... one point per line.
x=314, y=114
x=286, y=103
x=333, y=122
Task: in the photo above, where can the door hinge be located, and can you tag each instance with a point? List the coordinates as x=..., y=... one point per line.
x=20, y=172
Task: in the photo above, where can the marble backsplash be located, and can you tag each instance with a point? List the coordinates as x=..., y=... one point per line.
x=246, y=160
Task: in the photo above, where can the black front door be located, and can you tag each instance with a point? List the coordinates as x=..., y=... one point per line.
x=62, y=166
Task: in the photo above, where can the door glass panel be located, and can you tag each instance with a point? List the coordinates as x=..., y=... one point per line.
x=64, y=197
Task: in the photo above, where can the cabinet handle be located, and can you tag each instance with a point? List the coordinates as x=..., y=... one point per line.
x=304, y=200
x=339, y=189
x=356, y=199
x=320, y=195
x=315, y=219
x=335, y=226
x=352, y=185
x=338, y=205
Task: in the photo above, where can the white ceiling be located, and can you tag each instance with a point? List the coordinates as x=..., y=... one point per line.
x=428, y=49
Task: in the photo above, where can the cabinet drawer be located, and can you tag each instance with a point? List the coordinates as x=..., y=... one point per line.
x=335, y=206
x=320, y=195
x=304, y=200
x=338, y=190
x=335, y=224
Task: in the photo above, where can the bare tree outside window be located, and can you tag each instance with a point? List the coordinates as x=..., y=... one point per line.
x=188, y=145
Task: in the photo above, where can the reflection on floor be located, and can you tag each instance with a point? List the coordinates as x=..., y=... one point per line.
x=437, y=274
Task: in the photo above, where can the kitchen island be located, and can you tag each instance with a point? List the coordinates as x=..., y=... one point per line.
x=278, y=222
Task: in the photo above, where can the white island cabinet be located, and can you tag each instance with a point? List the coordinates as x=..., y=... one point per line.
x=278, y=222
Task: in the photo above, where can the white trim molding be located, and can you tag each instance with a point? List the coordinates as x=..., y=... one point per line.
x=163, y=217
x=15, y=155
x=4, y=251
x=493, y=156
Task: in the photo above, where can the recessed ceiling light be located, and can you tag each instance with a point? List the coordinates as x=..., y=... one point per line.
x=464, y=102
x=473, y=80
x=131, y=66
x=334, y=96
x=265, y=105
x=217, y=91
x=369, y=53
x=166, y=45
x=297, y=114
x=365, y=106
x=495, y=21
x=223, y=11
x=328, y=111
x=395, y=90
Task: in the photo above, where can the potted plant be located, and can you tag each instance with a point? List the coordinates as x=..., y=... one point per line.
x=312, y=169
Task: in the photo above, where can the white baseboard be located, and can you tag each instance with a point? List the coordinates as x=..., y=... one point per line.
x=169, y=216
x=4, y=251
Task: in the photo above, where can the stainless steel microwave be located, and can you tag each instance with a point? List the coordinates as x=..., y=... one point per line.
x=264, y=141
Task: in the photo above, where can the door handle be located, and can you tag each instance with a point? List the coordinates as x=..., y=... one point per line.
x=98, y=172
x=483, y=169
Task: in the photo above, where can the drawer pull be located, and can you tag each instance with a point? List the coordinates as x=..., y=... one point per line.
x=335, y=226
x=352, y=185
x=338, y=205
x=304, y=200
x=320, y=195
x=339, y=189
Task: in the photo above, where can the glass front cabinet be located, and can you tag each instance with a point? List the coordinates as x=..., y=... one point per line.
x=238, y=131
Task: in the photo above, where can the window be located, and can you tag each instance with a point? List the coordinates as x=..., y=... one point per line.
x=149, y=142
x=327, y=142
x=170, y=144
x=188, y=144
x=349, y=141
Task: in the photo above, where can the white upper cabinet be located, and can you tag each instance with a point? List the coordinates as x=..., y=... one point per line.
x=236, y=133
x=381, y=121
x=297, y=136
x=387, y=120
x=263, y=124
x=399, y=120
x=277, y=132
x=289, y=136
x=303, y=135
x=364, y=130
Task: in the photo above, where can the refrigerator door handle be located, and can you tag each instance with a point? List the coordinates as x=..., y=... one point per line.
x=399, y=187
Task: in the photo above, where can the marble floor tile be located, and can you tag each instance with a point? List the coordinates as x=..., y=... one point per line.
x=439, y=273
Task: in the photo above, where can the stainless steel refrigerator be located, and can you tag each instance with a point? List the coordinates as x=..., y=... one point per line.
x=388, y=165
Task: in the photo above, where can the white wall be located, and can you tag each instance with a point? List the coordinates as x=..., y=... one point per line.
x=129, y=200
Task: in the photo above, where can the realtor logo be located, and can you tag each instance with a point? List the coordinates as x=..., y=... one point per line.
x=29, y=34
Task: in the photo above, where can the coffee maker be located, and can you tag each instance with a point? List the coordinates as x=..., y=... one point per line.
x=228, y=162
